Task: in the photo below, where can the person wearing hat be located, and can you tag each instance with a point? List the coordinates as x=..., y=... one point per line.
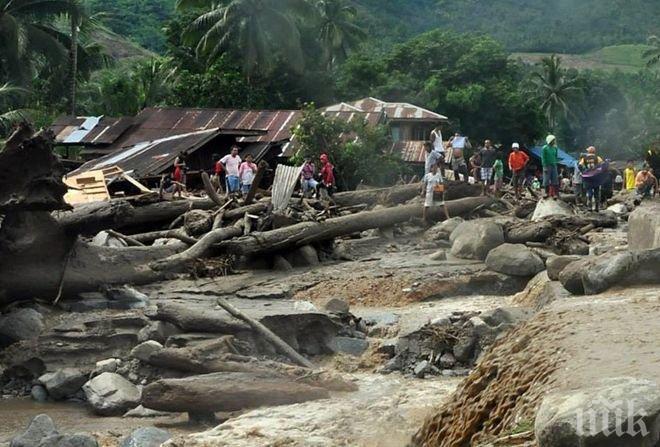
x=549, y=161
x=517, y=164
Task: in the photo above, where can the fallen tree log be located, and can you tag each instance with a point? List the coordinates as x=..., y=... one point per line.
x=402, y=193
x=195, y=321
x=210, y=393
x=307, y=232
x=149, y=238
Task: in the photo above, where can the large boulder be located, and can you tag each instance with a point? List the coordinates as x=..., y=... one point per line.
x=64, y=382
x=146, y=437
x=474, y=239
x=40, y=427
x=20, y=324
x=443, y=229
x=109, y=394
x=618, y=412
x=551, y=207
x=514, y=259
x=556, y=264
x=644, y=227
x=596, y=274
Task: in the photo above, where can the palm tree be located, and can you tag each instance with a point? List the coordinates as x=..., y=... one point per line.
x=652, y=55
x=25, y=31
x=8, y=116
x=154, y=78
x=259, y=30
x=554, y=88
x=339, y=35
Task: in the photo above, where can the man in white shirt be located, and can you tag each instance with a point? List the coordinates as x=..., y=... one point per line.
x=436, y=140
x=231, y=163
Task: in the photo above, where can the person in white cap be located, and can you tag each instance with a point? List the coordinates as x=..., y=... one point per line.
x=517, y=164
x=549, y=160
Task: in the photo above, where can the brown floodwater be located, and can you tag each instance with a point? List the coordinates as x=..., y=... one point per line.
x=71, y=417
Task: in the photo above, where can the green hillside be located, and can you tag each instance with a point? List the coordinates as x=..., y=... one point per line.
x=627, y=58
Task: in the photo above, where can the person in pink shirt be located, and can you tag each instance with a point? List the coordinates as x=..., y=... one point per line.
x=246, y=173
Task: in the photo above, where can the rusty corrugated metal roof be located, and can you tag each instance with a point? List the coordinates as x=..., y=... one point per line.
x=410, y=151
x=393, y=110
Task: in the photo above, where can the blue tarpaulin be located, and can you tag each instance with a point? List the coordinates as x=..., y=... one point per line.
x=564, y=157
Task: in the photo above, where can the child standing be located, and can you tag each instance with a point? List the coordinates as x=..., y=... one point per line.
x=498, y=173
x=246, y=173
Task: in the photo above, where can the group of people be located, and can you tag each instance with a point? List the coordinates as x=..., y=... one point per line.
x=316, y=184
x=238, y=174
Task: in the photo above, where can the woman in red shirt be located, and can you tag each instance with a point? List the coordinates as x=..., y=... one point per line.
x=327, y=174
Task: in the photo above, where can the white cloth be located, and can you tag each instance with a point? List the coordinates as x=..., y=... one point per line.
x=438, y=145
x=458, y=143
x=231, y=164
x=431, y=180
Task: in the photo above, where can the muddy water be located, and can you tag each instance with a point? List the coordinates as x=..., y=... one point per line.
x=75, y=418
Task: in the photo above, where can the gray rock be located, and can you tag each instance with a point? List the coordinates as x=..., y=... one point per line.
x=505, y=316
x=336, y=306
x=88, y=302
x=110, y=394
x=618, y=208
x=125, y=298
x=159, y=331
x=40, y=427
x=20, y=324
x=145, y=350
x=63, y=383
x=388, y=347
x=421, y=369
x=305, y=256
x=281, y=264
x=592, y=416
x=464, y=349
x=443, y=230
x=555, y=265
x=108, y=365
x=104, y=239
x=447, y=360
x=351, y=346
x=441, y=321
x=268, y=292
x=474, y=239
x=549, y=207
x=515, y=260
x=481, y=329
x=141, y=412
x=39, y=393
x=77, y=440
x=440, y=255
x=146, y=437
x=644, y=227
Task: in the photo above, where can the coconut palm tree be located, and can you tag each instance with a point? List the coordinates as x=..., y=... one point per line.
x=25, y=31
x=8, y=115
x=652, y=55
x=554, y=88
x=339, y=35
x=259, y=31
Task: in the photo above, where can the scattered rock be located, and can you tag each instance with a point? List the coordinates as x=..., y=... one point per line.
x=464, y=349
x=270, y=292
x=40, y=427
x=336, y=306
x=39, y=393
x=550, y=207
x=304, y=306
x=125, y=297
x=77, y=440
x=281, y=264
x=421, y=369
x=351, y=346
x=505, y=316
x=63, y=383
x=474, y=239
x=514, y=259
x=145, y=350
x=556, y=264
x=305, y=256
x=158, y=331
x=104, y=239
x=447, y=361
x=146, y=437
x=110, y=394
x=197, y=222
x=644, y=227
x=141, y=412
x=618, y=208
x=108, y=365
x=440, y=255
x=20, y=324
x=594, y=415
x=443, y=230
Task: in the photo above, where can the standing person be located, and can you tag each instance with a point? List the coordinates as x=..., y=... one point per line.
x=307, y=182
x=629, y=176
x=577, y=183
x=246, y=172
x=432, y=184
x=549, y=161
x=217, y=180
x=588, y=162
x=179, y=174
x=488, y=157
x=327, y=174
x=458, y=164
x=517, y=164
x=438, y=144
x=432, y=156
x=475, y=166
x=498, y=175
x=231, y=163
